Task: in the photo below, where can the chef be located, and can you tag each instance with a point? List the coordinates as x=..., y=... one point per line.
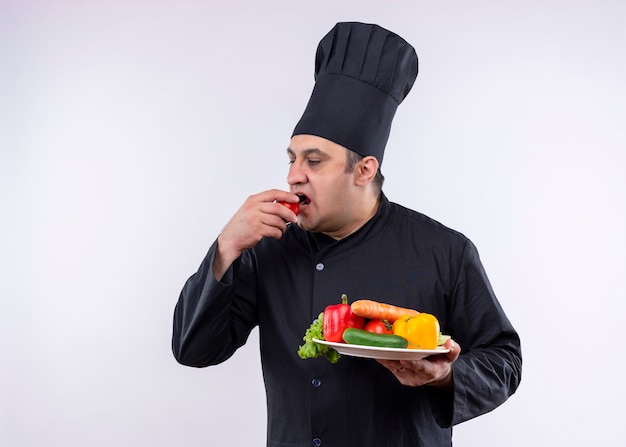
x=275, y=269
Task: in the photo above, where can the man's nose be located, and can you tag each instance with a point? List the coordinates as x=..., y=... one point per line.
x=296, y=174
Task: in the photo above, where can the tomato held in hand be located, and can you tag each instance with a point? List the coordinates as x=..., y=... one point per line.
x=295, y=207
x=378, y=327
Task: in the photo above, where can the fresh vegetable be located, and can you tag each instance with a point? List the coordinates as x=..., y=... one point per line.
x=295, y=207
x=362, y=337
x=443, y=339
x=378, y=327
x=380, y=311
x=339, y=317
x=310, y=349
x=421, y=331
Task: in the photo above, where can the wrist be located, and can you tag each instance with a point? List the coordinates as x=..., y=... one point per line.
x=224, y=257
x=445, y=383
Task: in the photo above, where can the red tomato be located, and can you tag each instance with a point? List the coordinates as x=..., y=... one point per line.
x=295, y=207
x=378, y=327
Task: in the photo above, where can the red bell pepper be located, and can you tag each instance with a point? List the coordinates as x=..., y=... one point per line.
x=339, y=317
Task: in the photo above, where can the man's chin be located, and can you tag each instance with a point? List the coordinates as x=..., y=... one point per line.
x=303, y=224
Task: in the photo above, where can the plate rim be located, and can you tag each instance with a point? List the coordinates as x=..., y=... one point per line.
x=437, y=350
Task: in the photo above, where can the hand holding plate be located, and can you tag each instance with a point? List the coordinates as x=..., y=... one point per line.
x=435, y=370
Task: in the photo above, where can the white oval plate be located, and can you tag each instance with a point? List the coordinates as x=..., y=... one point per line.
x=374, y=352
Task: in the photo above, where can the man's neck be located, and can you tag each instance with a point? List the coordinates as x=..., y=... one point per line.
x=369, y=210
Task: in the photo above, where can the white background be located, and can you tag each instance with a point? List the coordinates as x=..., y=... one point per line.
x=130, y=131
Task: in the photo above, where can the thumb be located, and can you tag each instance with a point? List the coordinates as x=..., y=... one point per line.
x=455, y=349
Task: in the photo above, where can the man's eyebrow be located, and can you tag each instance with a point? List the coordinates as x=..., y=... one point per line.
x=305, y=152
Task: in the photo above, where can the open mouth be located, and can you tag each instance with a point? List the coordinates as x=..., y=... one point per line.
x=304, y=200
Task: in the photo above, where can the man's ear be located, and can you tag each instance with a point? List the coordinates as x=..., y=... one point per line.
x=366, y=170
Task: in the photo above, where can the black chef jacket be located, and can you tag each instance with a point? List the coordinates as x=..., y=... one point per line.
x=400, y=257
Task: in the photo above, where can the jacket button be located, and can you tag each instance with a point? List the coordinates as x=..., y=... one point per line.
x=319, y=267
x=316, y=382
x=317, y=442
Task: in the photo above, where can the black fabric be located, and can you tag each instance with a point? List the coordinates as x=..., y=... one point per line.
x=400, y=257
x=362, y=72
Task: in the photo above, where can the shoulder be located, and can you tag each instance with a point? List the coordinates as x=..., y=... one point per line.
x=403, y=217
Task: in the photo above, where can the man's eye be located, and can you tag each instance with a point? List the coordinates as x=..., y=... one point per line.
x=313, y=162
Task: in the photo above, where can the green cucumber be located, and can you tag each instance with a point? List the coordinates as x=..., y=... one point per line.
x=360, y=337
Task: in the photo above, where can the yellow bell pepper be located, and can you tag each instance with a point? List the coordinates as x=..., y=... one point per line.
x=421, y=331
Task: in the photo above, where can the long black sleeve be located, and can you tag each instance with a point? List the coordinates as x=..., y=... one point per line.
x=210, y=321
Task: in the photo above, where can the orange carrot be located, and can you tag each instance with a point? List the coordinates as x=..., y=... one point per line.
x=380, y=311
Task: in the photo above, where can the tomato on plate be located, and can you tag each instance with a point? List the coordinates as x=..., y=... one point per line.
x=378, y=327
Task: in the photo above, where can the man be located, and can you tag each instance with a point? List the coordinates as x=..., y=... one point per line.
x=271, y=268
